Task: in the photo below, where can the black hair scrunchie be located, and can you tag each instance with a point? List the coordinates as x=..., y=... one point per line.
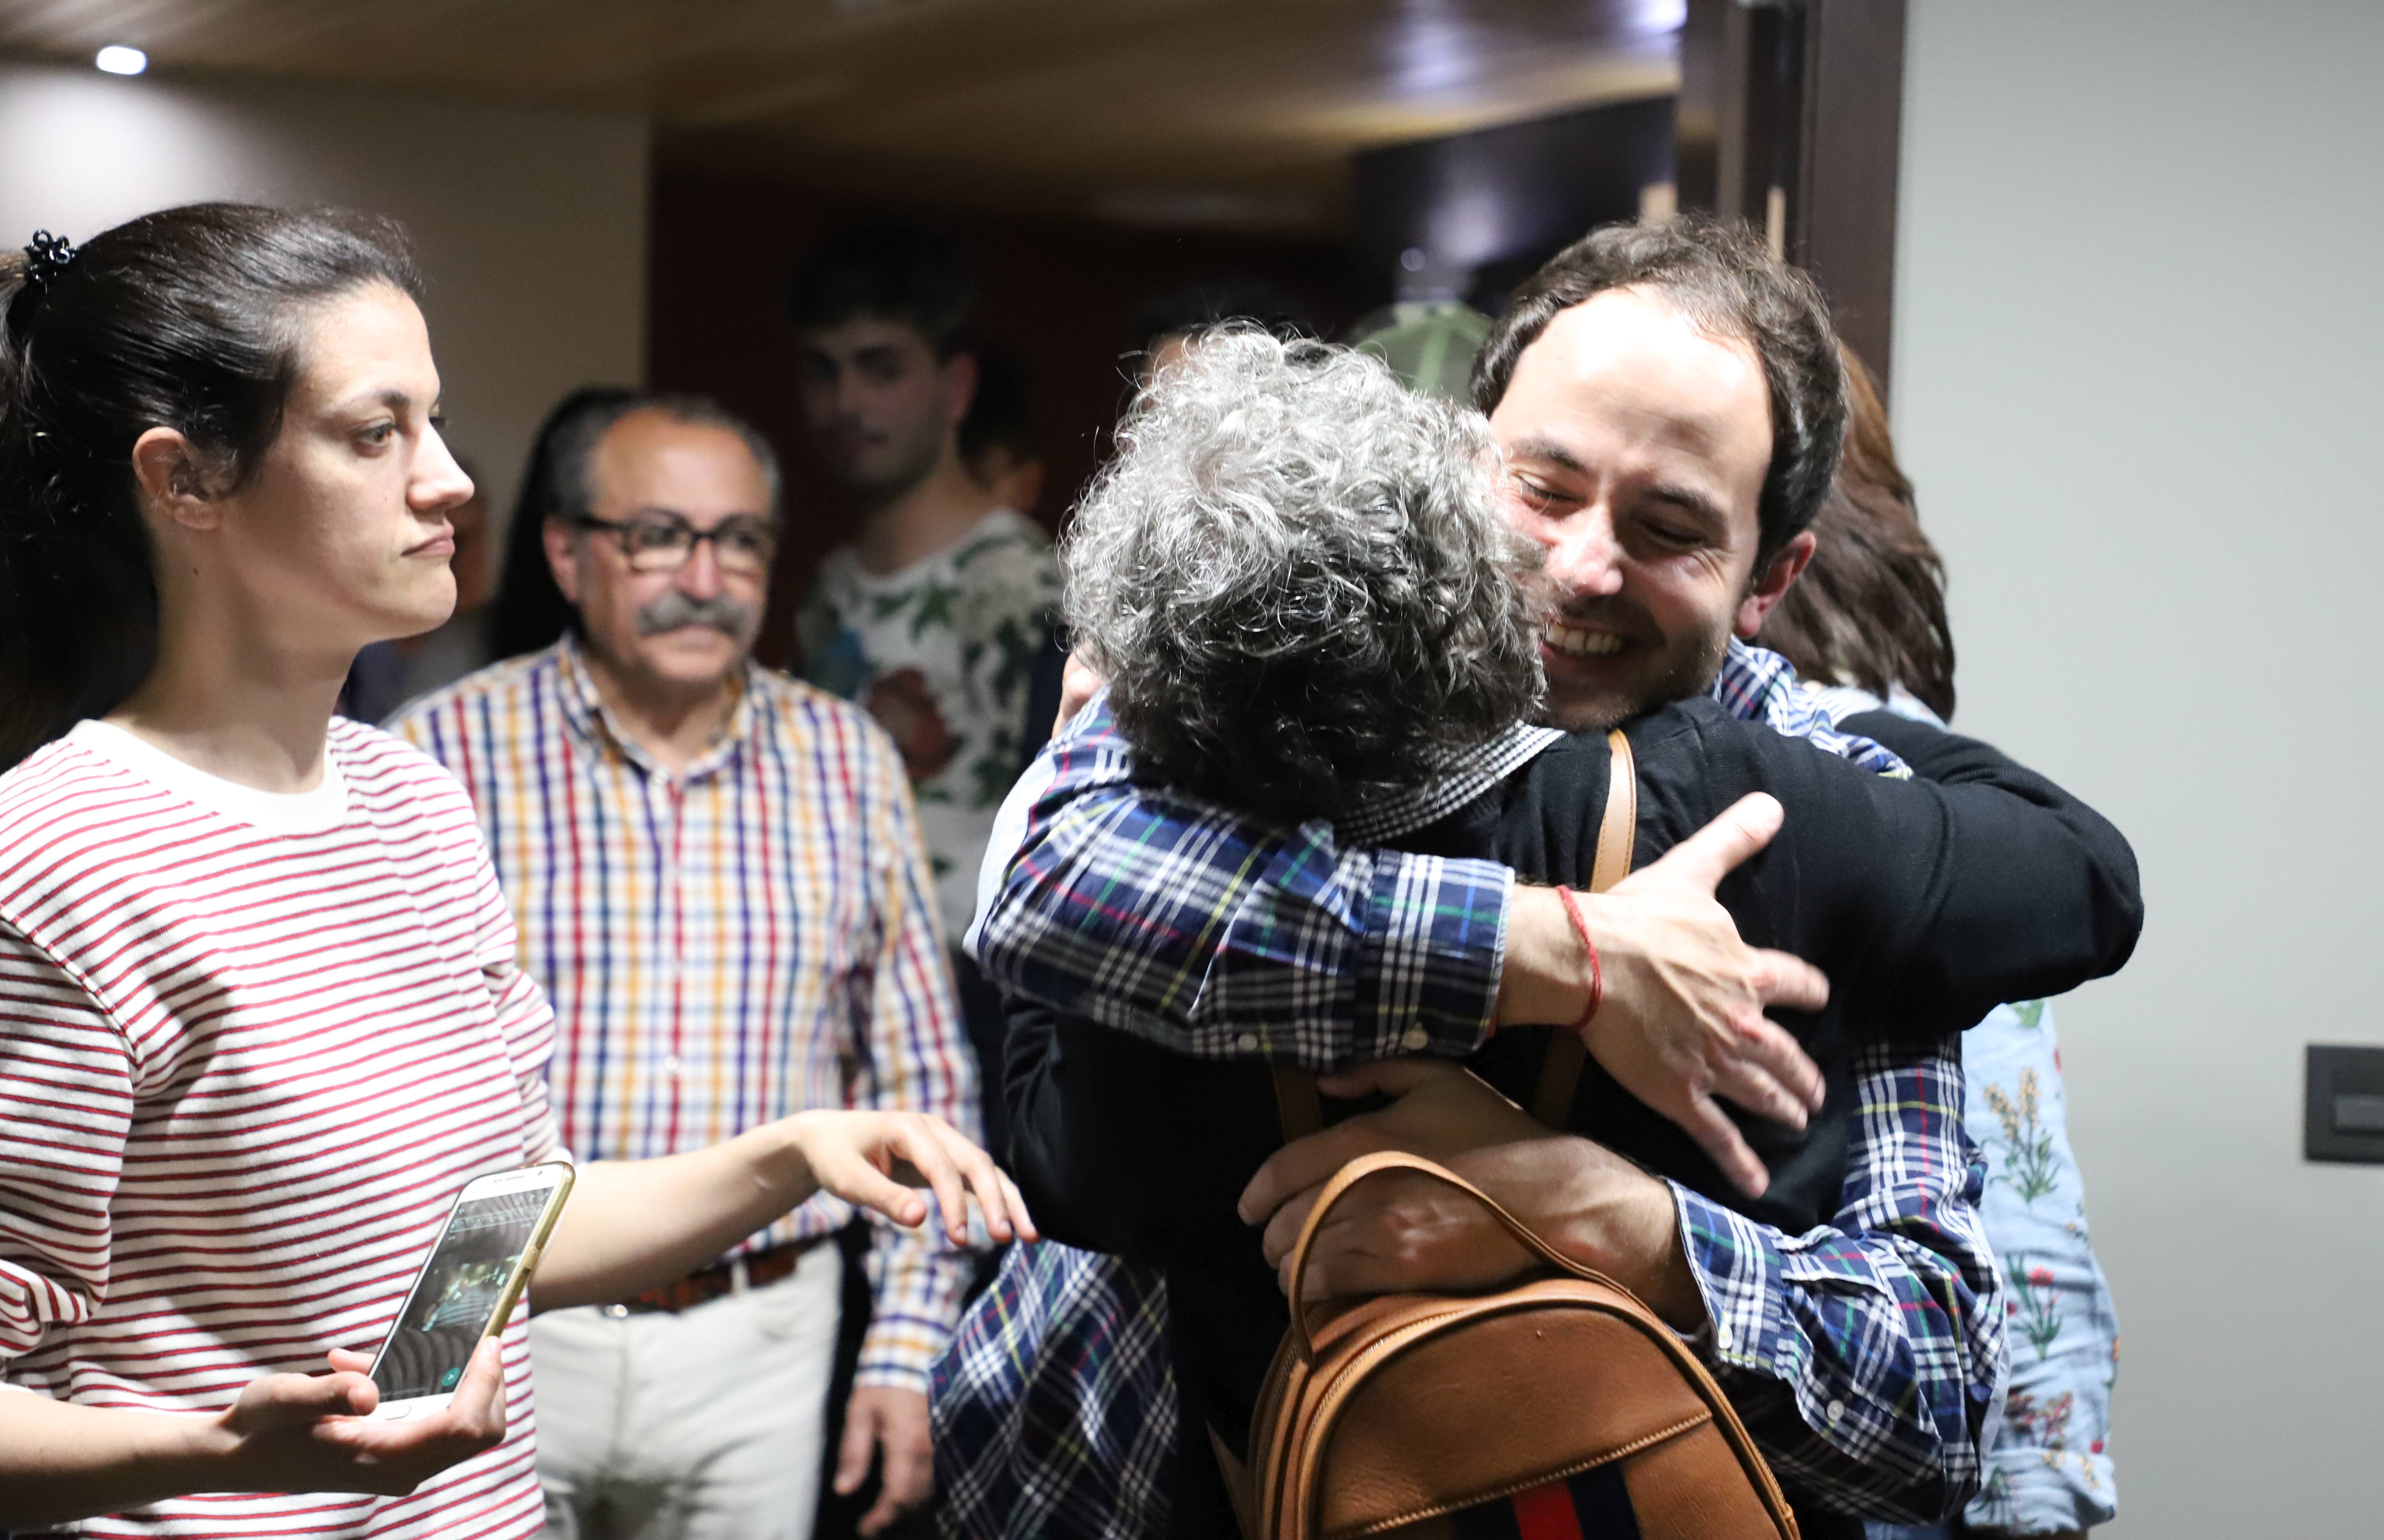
x=47, y=257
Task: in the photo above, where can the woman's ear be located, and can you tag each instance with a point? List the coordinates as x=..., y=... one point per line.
x=173, y=483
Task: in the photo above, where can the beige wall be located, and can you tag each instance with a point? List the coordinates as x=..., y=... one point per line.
x=530, y=223
x=2139, y=380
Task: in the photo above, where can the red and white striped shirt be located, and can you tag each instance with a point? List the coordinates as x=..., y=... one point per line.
x=251, y=1048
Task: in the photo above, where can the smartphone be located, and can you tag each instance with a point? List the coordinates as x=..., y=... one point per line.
x=467, y=1290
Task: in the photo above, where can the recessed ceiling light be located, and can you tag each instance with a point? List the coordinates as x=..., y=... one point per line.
x=118, y=60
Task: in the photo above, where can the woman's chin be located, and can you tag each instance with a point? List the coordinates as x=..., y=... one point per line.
x=426, y=608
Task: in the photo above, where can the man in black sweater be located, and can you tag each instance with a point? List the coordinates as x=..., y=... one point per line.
x=1635, y=414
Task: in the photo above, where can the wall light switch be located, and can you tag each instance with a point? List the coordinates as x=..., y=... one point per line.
x=2343, y=1116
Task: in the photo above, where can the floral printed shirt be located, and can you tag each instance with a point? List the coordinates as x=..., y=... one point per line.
x=2047, y=1470
x=940, y=653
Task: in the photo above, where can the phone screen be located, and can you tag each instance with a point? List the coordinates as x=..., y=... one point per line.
x=452, y=1303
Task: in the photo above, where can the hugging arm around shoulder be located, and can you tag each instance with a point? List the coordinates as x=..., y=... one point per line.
x=1219, y=935
x=1928, y=901
x=1216, y=935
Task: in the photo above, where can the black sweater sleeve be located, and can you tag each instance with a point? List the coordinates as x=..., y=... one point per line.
x=1120, y=1145
x=1929, y=901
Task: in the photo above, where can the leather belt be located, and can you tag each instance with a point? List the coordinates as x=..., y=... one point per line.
x=733, y=1276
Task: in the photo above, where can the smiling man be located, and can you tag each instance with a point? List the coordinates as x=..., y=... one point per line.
x=718, y=878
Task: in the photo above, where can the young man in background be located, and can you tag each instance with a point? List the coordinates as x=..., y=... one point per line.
x=932, y=616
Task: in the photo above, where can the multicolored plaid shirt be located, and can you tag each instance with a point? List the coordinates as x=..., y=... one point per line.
x=751, y=937
x=1864, y=1356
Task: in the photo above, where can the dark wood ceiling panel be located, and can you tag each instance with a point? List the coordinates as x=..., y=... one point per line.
x=1230, y=112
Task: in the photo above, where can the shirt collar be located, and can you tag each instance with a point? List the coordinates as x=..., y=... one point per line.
x=584, y=707
x=1467, y=774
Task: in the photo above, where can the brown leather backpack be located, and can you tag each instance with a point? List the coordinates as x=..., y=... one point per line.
x=1563, y=1395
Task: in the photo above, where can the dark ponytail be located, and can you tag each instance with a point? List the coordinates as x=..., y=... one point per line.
x=186, y=319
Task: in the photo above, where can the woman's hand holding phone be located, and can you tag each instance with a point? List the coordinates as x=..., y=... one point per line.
x=863, y=1156
x=313, y=1433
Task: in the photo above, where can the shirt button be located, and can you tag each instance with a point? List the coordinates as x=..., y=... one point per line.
x=1837, y=1409
x=618, y=1312
x=1415, y=1040
x=1246, y=1041
x=671, y=1064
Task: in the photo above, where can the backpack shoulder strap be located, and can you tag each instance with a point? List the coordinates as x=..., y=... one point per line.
x=1561, y=1071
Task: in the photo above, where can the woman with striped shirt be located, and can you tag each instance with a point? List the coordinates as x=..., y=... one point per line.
x=260, y=1015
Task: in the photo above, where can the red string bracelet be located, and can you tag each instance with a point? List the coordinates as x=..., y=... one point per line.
x=1597, y=970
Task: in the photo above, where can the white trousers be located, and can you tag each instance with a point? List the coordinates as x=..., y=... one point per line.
x=704, y=1425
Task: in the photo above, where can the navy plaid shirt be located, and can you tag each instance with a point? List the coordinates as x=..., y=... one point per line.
x=1864, y=1356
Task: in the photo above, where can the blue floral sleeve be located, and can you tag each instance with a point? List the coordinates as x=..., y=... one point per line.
x=2047, y=1469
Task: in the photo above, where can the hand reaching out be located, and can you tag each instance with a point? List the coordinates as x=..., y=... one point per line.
x=862, y=1158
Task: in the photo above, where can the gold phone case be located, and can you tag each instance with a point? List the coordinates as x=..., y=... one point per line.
x=519, y=1282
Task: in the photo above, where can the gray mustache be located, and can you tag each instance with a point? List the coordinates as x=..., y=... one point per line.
x=675, y=609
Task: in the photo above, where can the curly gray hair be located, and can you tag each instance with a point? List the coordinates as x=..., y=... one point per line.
x=1296, y=579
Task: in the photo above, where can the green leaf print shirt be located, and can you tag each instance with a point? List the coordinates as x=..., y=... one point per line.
x=939, y=653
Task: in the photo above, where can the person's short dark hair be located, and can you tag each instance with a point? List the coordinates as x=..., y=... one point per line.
x=530, y=612
x=887, y=269
x=1724, y=278
x=187, y=318
x=1001, y=413
x=1181, y=312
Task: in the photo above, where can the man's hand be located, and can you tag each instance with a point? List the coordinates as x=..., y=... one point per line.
x=308, y=1433
x=1400, y=1231
x=1442, y=1111
x=883, y=1418
x=1682, y=1020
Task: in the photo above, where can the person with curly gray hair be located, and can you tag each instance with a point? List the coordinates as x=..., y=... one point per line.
x=1296, y=583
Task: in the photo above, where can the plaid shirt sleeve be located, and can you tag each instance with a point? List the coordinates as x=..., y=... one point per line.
x=913, y=1057
x=1221, y=938
x=1867, y=1357
x=1758, y=685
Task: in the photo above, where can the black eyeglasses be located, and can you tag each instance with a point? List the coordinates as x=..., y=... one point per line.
x=656, y=543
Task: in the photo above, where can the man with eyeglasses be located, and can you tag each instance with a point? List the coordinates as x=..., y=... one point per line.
x=717, y=876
